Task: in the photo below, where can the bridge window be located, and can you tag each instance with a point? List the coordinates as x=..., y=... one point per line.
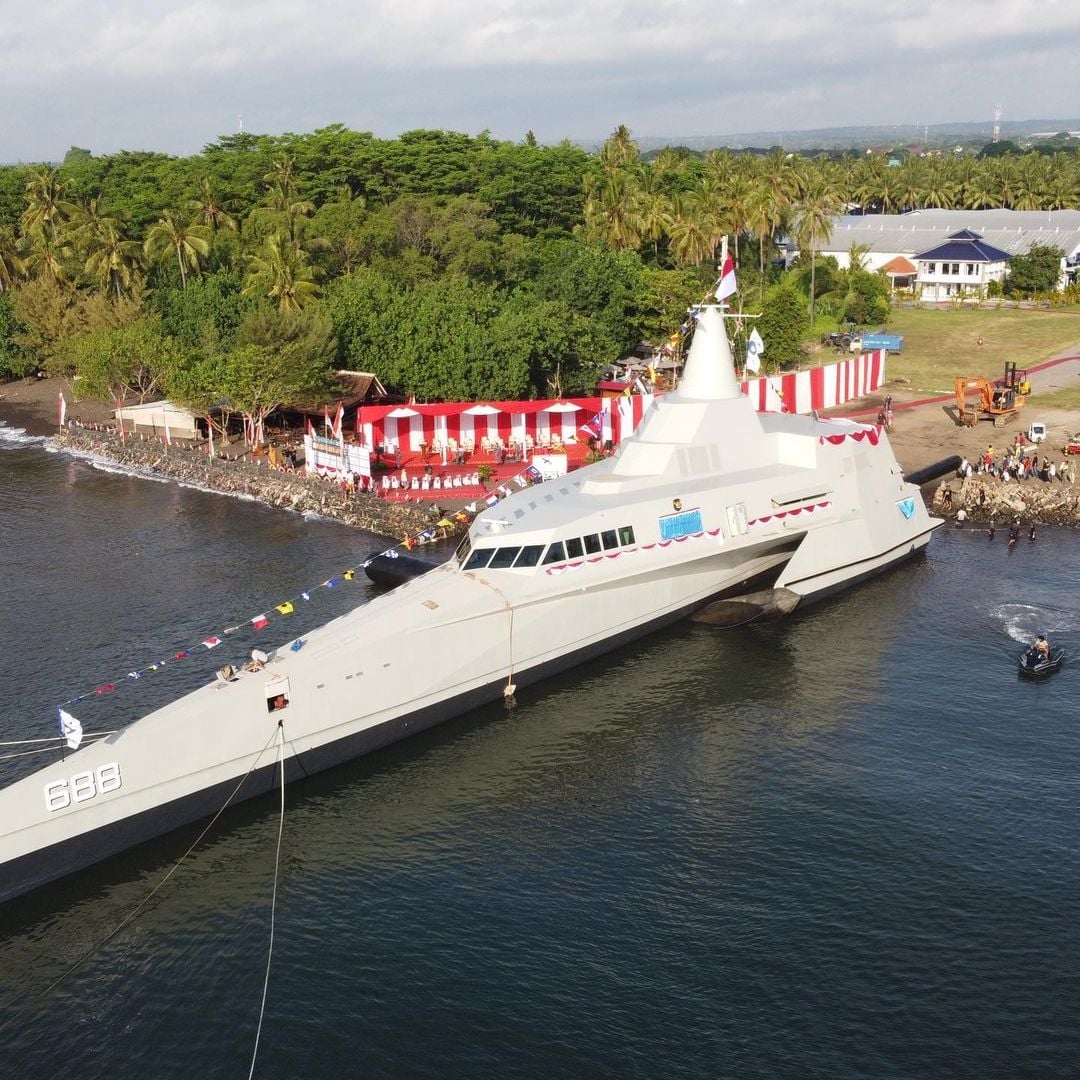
x=555, y=553
x=504, y=557
x=609, y=539
x=592, y=544
x=479, y=559
x=530, y=555
x=626, y=535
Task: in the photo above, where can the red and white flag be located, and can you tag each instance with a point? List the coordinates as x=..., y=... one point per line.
x=260, y=621
x=212, y=642
x=210, y=436
x=62, y=408
x=339, y=416
x=726, y=286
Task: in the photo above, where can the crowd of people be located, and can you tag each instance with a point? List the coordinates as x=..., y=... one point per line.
x=1018, y=462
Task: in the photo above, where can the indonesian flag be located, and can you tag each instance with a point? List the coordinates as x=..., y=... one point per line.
x=339, y=416
x=210, y=436
x=327, y=425
x=62, y=404
x=212, y=642
x=70, y=730
x=310, y=427
x=260, y=621
x=726, y=286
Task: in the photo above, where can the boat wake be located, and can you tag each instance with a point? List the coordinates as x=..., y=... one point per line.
x=1023, y=621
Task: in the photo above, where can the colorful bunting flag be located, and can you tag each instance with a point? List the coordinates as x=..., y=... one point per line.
x=212, y=642
x=260, y=621
x=349, y=575
x=286, y=608
x=306, y=595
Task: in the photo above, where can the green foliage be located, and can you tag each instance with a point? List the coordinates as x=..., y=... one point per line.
x=204, y=316
x=13, y=361
x=603, y=293
x=120, y=363
x=783, y=323
x=1036, y=272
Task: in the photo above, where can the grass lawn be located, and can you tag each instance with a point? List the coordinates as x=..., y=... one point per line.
x=939, y=345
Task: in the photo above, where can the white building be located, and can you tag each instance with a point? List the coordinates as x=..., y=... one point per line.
x=150, y=419
x=885, y=238
x=962, y=266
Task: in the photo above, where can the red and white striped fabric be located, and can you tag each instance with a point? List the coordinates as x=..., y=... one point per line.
x=819, y=388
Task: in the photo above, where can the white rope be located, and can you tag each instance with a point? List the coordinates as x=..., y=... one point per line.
x=273, y=899
x=53, y=738
x=42, y=749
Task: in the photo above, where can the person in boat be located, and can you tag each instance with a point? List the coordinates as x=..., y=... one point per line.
x=1040, y=650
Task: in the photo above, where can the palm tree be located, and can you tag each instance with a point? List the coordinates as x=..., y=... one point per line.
x=283, y=274
x=169, y=235
x=12, y=266
x=819, y=204
x=114, y=261
x=209, y=208
x=47, y=210
x=619, y=150
x=652, y=204
x=764, y=214
x=688, y=234
x=611, y=210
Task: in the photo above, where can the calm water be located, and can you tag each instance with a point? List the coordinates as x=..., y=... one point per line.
x=842, y=846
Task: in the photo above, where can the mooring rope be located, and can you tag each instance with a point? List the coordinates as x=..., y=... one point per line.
x=78, y=963
x=53, y=738
x=273, y=898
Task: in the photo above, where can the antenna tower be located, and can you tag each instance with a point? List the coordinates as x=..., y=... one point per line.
x=997, y=123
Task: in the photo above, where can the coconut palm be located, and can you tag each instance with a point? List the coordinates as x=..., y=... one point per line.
x=619, y=150
x=209, y=208
x=764, y=214
x=170, y=236
x=818, y=206
x=114, y=261
x=12, y=267
x=611, y=210
x=689, y=235
x=47, y=209
x=282, y=273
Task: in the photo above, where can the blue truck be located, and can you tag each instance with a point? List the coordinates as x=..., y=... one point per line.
x=893, y=343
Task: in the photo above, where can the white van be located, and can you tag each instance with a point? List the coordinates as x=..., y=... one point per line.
x=1036, y=433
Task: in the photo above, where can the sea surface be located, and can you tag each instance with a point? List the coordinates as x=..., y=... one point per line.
x=846, y=845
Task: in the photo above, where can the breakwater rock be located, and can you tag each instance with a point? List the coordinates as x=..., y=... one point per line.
x=985, y=498
x=284, y=490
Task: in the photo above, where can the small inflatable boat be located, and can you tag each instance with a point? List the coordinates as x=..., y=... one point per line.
x=1034, y=666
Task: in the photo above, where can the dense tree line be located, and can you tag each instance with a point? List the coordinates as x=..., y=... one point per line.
x=454, y=266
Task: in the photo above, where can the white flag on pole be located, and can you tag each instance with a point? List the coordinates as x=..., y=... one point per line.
x=62, y=405
x=70, y=729
x=755, y=347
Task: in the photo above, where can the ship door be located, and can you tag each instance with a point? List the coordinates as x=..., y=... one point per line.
x=277, y=694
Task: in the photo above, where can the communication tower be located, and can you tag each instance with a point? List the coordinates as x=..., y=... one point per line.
x=997, y=123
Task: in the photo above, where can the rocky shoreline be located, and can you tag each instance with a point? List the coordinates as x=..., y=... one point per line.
x=985, y=499
x=283, y=490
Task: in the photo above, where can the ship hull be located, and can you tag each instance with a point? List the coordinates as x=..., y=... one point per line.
x=78, y=852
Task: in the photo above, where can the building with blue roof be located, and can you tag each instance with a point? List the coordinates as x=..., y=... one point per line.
x=896, y=244
x=963, y=266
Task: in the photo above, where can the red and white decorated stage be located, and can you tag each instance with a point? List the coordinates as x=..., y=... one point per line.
x=507, y=435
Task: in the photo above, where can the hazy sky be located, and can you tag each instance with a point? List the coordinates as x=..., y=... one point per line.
x=173, y=76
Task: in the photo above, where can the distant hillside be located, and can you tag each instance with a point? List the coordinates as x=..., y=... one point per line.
x=974, y=132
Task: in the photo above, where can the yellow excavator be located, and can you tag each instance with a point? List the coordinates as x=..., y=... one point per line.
x=1000, y=402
